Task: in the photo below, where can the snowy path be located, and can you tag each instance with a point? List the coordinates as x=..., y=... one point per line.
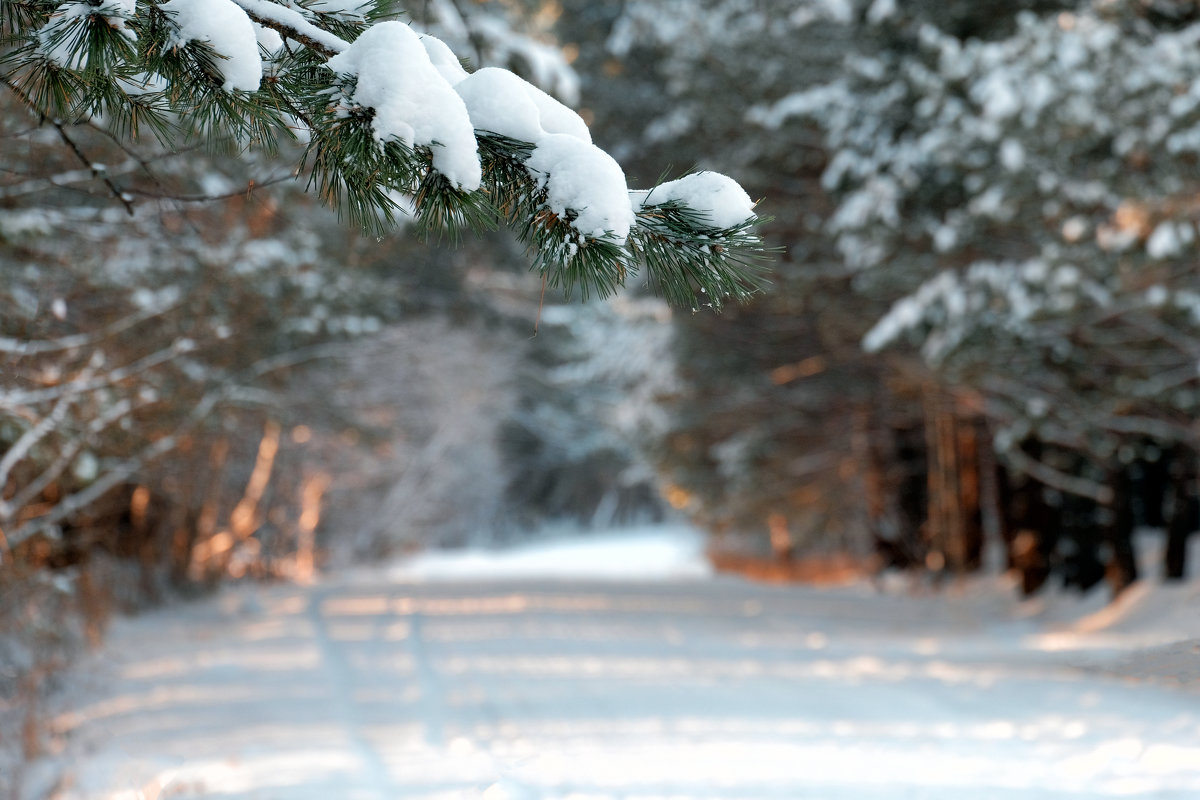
x=369, y=687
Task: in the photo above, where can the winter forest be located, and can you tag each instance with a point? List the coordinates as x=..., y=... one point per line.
x=881, y=317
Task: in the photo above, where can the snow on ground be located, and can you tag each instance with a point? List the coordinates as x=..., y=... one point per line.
x=482, y=676
x=661, y=553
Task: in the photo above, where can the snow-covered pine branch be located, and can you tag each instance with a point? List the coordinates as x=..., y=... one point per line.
x=388, y=115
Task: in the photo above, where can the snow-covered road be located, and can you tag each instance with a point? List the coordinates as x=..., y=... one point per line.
x=391, y=686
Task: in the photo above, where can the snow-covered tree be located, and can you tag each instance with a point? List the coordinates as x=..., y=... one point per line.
x=1000, y=190
x=1027, y=195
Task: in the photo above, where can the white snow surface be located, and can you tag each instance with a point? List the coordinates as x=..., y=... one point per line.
x=498, y=103
x=583, y=183
x=268, y=38
x=640, y=554
x=353, y=9
x=583, y=179
x=413, y=102
x=478, y=675
x=267, y=10
x=224, y=26
x=443, y=59
x=505, y=103
x=720, y=199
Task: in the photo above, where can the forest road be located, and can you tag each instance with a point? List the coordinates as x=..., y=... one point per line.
x=364, y=687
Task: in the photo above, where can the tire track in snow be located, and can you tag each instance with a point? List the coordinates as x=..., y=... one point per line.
x=373, y=775
x=433, y=712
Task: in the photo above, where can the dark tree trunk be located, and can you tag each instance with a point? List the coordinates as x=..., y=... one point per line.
x=1155, y=481
x=1030, y=523
x=1081, y=565
x=912, y=490
x=1185, y=513
x=1182, y=524
x=1005, y=518
x=1122, y=567
x=971, y=506
x=894, y=537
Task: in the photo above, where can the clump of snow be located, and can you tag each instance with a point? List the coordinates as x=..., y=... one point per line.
x=413, y=103
x=290, y=17
x=1157, y=295
x=115, y=13
x=27, y=222
x=498, y=104
x=583, y=184
x=582, y=180
x=443, y=59
x=351, y=9
x=268, y=38
x=501, y=102
x=717, y=197
x=1012, y=155
x=881, y=10
x=555, y=117
x=226, y=28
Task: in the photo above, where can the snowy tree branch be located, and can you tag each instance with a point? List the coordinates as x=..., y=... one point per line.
x=293, y=25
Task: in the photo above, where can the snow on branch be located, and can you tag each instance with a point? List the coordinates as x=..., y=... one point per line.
x=388, y=113
x=388, y=72
x=292, y=24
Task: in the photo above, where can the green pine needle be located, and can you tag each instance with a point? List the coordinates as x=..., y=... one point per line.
x=443, y=210
x=98, y=71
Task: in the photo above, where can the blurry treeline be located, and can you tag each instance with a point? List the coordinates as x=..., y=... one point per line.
x=205, y=375
x=985, y=327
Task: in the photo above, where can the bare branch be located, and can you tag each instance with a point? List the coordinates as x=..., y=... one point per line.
x=81, y=385
x=19, y=347
x=65, y=457
x=1056, y=479
x=251, y=186
x=64, y=179
x=29, y=439
x=113, y=477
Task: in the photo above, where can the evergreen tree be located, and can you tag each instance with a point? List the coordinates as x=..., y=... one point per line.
x=993, y=198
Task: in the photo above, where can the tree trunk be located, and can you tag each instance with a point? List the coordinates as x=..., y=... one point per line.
x=1122, y=567
x=1185, y=514
x=1030, y=524
x=970, y=505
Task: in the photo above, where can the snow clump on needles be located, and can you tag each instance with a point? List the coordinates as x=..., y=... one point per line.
x=420, y=96
x=413, y=103
x=227, y=29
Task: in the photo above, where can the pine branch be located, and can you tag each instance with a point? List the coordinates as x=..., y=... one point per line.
x=292, y=24
x=694, y=264
x=80, y=65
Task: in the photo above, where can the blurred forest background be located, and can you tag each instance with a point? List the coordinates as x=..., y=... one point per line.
x=981, y=347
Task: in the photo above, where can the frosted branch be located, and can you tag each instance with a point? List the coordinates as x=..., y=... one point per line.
x=292, y=24
x=87, y=384
x=30, y=438
x=1057, y=479
x=21, y=347
x=113, y=477
x=65, y=458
